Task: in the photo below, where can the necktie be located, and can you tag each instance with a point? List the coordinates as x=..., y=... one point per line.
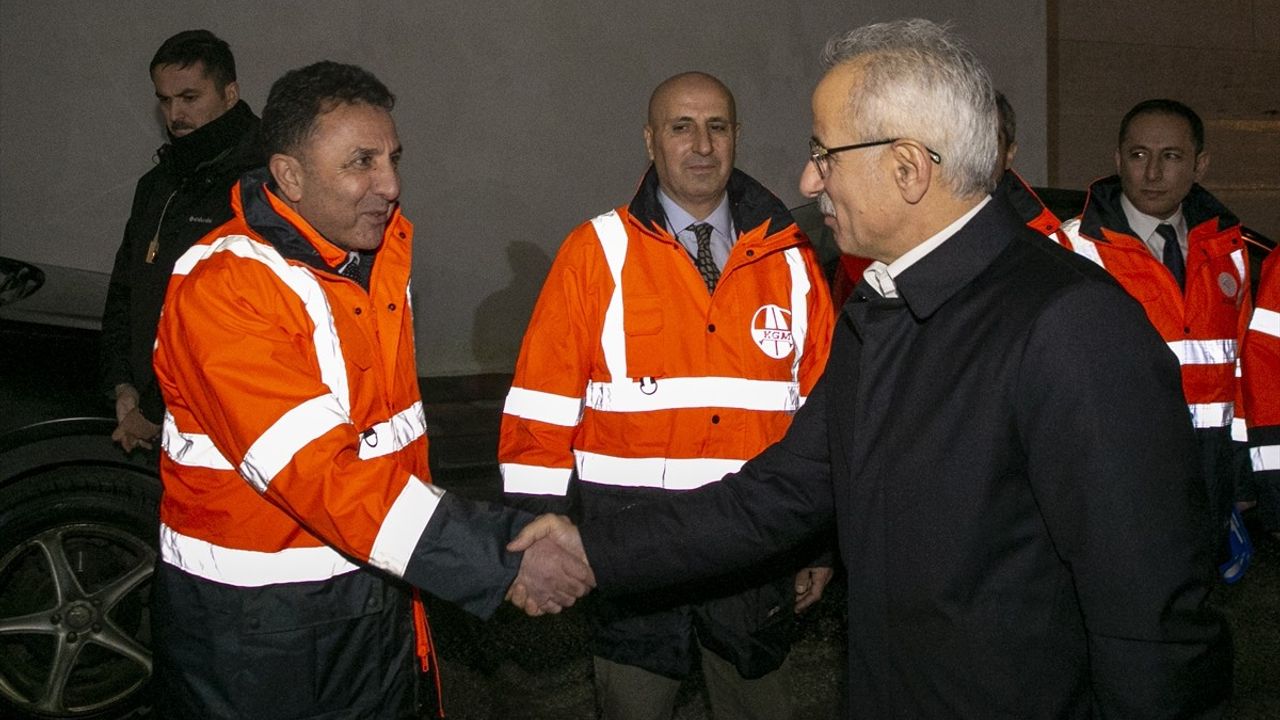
x=1172, y=255
x=706, y=264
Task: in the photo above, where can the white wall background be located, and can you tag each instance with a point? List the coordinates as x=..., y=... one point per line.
x=519, y=119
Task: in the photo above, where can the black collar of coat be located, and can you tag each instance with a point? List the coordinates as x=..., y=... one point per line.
x=233, y=131
x=1102, y=209
x=750, y=204
x=1024, y=200
x=936, y=277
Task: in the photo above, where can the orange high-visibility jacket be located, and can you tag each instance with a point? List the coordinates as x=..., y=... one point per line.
x=633, y=375
x=295, y=446
x=1261, y=364
x=1203, y=326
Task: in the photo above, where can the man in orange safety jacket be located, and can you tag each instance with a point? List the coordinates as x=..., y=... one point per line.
x=297, y=504
x=1176, y=249
x=673, y=340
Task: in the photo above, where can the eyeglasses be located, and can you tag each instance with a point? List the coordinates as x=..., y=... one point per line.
x=821, y=156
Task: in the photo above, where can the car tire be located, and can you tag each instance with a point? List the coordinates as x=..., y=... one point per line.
x=77, y=551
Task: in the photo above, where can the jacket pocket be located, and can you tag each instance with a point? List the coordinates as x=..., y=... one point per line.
x=643, y=325
x=752, y=629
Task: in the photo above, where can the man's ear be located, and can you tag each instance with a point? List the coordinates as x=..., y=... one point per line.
x=1202, y=165
x=912, y=170
x=287, y=171
x=1118, y=169
x=648, y=141
x=231, y=94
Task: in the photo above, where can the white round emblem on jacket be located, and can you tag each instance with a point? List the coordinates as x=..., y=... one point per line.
x=1227, y=284
x=771, y=329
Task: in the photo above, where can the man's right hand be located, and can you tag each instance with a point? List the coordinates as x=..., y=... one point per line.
x=132, y=429
x=554, y=572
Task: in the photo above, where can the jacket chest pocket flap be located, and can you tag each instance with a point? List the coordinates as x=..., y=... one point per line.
x=644, y=326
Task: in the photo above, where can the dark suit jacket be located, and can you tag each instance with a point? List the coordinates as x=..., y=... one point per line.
x=1013, y=476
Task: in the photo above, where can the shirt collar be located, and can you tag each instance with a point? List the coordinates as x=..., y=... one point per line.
x=678, y=218
x=881, y=276
x=1144, y=225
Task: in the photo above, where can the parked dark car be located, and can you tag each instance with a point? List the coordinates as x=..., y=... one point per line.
x=77, y=515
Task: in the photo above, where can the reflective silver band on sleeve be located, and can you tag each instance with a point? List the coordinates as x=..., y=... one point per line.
x=294, y=430
x=191, y=449
x=544, y=407
x=403, y=525
x=535, y=479
x=653, y=472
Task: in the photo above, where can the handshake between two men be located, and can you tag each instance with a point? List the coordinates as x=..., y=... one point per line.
x=555, y=571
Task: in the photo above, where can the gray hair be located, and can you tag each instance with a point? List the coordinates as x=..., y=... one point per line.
x=921, y=82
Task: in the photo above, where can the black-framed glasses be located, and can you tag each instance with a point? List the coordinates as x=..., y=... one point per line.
x=821, y=156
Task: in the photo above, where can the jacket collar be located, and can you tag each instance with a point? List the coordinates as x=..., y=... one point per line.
x=1029, y=207
x=936, y=277
x=750, y=205
x=212, y=142
x=1102, y=210
x=287, y=231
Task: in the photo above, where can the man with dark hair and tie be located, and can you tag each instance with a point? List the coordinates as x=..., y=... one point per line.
x=1178, y=250
x=674, y=339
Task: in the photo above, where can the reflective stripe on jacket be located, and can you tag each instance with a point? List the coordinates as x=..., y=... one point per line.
x=1261, y=361
x=1202, y=326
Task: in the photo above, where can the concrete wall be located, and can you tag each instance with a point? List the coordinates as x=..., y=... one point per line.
x=519, y=119
x=1221, y=58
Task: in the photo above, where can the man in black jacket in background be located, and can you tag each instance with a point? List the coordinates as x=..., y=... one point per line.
x=212, y=140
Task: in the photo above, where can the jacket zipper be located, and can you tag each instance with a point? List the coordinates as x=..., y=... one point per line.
x=154, y=248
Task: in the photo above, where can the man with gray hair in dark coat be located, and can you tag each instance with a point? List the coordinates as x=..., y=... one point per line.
x=999, y=436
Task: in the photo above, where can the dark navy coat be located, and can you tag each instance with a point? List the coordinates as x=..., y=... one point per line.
x=1013, y=476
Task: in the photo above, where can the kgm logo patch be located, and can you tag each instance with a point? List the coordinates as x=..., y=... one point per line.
x=771, y=329
x=1228, y=285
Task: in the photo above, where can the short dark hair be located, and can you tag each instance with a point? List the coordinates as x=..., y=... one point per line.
x=300, y=96
x=192, y=46
x=1008, y=119
x=1162, y=106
